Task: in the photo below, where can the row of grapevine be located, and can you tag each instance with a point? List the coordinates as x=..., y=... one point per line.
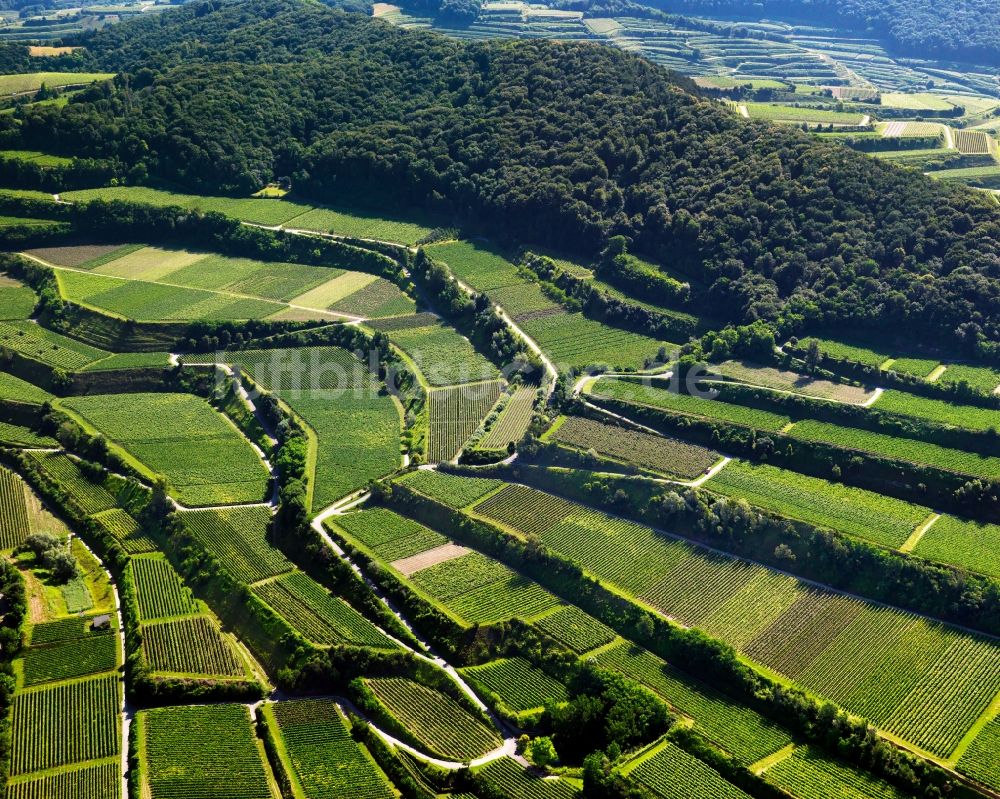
x=514, y=421
x=126, y=530
x=388, y=535
x=674, y=774
x=202, y=752
x=159, y=589
x=91, y=497
x=14, y=524
x=67, y=723
x=573, y=628
x=436, y=720
x=453, y=491
x=90, y=782
x=510, y=779
x=520, y=685
x=326, y=760
x=190, y=646
x=91, y=654
x=237, y=537
x=454, y=414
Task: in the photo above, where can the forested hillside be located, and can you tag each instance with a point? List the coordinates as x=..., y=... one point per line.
x=966, y=30
x=553, y=144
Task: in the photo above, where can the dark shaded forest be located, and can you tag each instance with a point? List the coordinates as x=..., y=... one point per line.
x=563, y=145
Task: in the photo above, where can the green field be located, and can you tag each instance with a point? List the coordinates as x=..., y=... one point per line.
x=159, y=589
x=785, y=380
x=969, y=545
x=841, y=648
x=904, y=449
x=442, y=355
x=512, y=780
x=42, y=344
x=67, y=723
x=91, y=497
x=16, y=301
x=864, y=514
x=982, y=759
x=203, y=456
x=238, y=538
x=14, y=388
x=785, y=113
x=317, y=615
x=192, y=647
x=810, y=774
x=656, y=397
x=984, y=378
x=202, y=752
x=89, y=652
x=573, y=628
x=939, y=411
x=454, y=491
x=15, y=524
x=346, y=222
x=518, y=684
x=321, y=754
x=89, y=782
x=674, y=774
x=454, y=414
x=656, y=453
x=388, y=535
x=441, y=724
x=357, y=428
x=125, y=530
x=918, y=367
x=843, y=350
x=130, y=360
x=513, y=421
x=480, y=590
x=33, y=81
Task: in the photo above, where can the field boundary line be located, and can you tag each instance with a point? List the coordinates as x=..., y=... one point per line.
x=910, y=543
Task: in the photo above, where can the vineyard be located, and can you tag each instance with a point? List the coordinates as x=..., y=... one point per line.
x=238, y=538
x=454, y=414
x=455, y=492
x=189, y=646
x=125, y=530
x=674, y=774
x=687, y=405
x=657, y=453
x=574, y=628
x=942, y=679
x=160, y=590
x=969, y=545
x=982, y=378
x=436, y=720
x=52, y=349
x=202, y=752
x=14, y=523
x=904, y=449
x=918, y=367
x=480, y=590
x=513, y=422
x=518, y=684
x=91, y=653
x=89, y=782
x=317, y=615
x=388, y=535
x=972, y=142
x=511, y=780
x=23, y=436
x=811, y=775
x=980, y=759
x=16, y=301
x=742, y=732
x=65, y=724
x=864, y=514
x=949, y=413
x=202, y=455
x=443, y=355
x=327, y=762
x=91, y=497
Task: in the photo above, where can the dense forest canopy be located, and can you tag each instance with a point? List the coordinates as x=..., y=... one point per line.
x=965, y=29
x=556, y=144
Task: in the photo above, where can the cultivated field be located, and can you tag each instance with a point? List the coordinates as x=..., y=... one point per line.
x=674, y=774
x=575, y=629
x=969, y=545
x=191, y=646
x=948, y=413
x=517, y=683
x=46, y=346
x=321, y=754
x=454, y=414
x=655, y=453
x=513, y=421
x=873, y=517
x=456, y=492
x=239, y=539
x=442, y=355
x=33, y=81
x=436, y=720
x=810, y=774
x=388, y=535
x=203, y=456
x=202, y=752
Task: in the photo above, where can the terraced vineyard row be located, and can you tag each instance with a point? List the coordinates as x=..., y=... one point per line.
x=126, y=530
x=512, y=781
x=453, y=491
x=326, y=760
x=68, y=723
x=574, y=628
x=389, y=535
x=190, y=646
x=14, y=524
x=319, y=616
x=237, y=537
x=810, y=774
x=91, y=497
x=160, y=591
x=437, y=720
x=520, y=685
x=657, y=453
x=514, y=421
x=92, y=654
x=202, y=752
x=454, y=415
x=674, y=774
x=90, y=782
x=941, y=679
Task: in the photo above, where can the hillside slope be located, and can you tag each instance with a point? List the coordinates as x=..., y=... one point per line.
x=555, y=144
